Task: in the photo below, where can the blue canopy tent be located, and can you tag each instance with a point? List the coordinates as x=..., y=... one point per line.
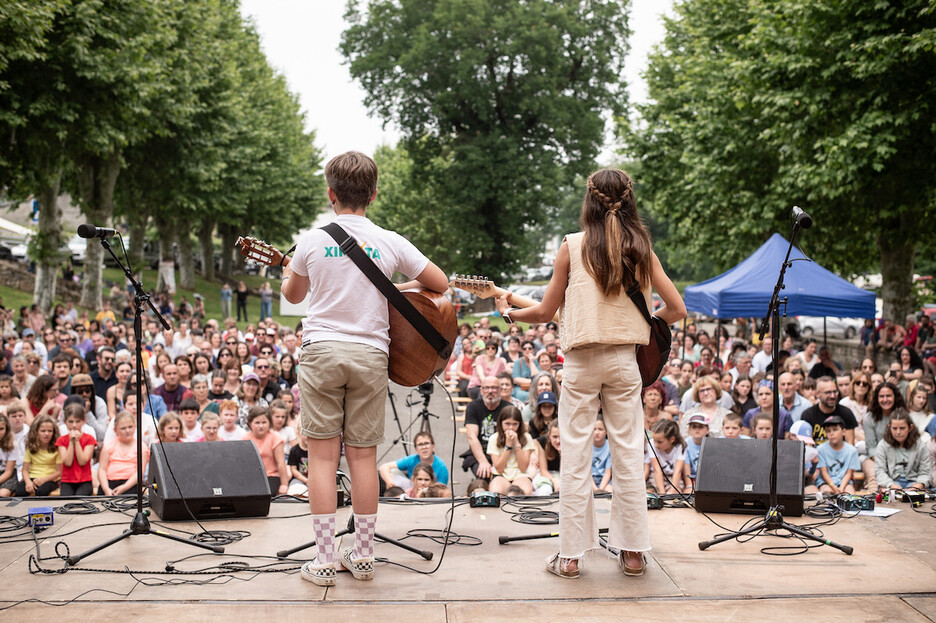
x=745, y=290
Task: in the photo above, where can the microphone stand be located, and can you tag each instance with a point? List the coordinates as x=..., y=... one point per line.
x=140, y=523
x=774, y=519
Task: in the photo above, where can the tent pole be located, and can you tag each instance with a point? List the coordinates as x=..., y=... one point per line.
x=824, y=332
x=718, y=341
x=682, y=347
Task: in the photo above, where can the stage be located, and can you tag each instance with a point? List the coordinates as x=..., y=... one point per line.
x=891, y=576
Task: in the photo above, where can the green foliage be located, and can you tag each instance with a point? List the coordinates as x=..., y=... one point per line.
x=500, y=104
x=760, y=105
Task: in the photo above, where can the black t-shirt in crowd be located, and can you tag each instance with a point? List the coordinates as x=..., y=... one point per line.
x=224, y=395
x=551, y=464
x=299, y=459
x=815, y=416
x=485, y=419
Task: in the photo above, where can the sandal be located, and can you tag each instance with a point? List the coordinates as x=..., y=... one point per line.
x=563, y=567
x=632, y=571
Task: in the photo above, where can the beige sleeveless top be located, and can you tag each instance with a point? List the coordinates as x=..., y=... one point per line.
x=589, y=317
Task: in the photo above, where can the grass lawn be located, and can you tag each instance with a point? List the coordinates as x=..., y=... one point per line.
x=15, y=299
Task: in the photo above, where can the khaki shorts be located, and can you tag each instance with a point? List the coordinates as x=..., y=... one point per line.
x=343, y=390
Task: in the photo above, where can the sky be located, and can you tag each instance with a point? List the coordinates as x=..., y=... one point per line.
x=300, y=39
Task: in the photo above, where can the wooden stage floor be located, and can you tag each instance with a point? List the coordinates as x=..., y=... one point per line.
x=890, y=577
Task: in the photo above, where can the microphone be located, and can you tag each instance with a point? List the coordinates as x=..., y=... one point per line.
x=90, y=231
x=802, y=219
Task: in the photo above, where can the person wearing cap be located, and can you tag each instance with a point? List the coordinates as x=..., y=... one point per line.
x=248, y=396
x=698, y=425
x=828, y=405
x=95, y=407
x=546, y=406
x=30, y=336
x=838, y=459
x=802, y=431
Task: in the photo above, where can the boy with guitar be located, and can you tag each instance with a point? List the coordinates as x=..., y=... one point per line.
x=343, y=365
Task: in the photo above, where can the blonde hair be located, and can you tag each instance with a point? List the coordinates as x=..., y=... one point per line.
x=706, y=381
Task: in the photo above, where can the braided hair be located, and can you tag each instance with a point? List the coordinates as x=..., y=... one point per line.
x=617, y=247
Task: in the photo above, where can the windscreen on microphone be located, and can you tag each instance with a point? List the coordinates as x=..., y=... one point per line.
x=87, y=231
x=802, y=219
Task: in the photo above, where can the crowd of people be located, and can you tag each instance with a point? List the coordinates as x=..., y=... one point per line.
x=211, y=382
x=68, y=396
x=877, y=422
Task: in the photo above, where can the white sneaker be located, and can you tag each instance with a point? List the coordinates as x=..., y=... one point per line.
x=319, y=574
x=360, y=568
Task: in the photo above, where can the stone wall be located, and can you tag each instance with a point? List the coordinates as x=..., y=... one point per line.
x=15, y=275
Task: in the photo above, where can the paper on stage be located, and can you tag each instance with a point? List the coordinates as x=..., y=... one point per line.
x=880, y=511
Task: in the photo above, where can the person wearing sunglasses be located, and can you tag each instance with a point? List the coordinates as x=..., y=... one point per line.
x=96, y=415
x=270, y=384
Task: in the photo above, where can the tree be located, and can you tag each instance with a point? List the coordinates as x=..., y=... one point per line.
x=757, y=106
x=32, y=124
x=500, y=103
x=111, y=63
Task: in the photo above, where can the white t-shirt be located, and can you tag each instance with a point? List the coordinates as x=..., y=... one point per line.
x=149, y=431
x=237, y=435
x=345, y=306
x=19, y=446
x=194, y=434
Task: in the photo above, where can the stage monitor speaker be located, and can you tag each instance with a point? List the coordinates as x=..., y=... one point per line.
x=733, y=476
x=217, y=478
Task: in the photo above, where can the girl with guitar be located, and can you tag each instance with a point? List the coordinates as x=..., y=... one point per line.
x=343, y=364
x=600, y=328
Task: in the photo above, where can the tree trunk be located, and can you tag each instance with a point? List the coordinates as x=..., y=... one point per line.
x=228, y=238
x=138, y=219
x=167, y=234
x=896, y=275
x=206, y=248
x=46, y=251
x=96, y=179
x=186, y=256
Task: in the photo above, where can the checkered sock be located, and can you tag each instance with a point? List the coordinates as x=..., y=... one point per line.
x=364, y=528
x=324, y=527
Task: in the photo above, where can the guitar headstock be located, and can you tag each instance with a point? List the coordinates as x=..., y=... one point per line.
x=259, y=251
x=482, y=287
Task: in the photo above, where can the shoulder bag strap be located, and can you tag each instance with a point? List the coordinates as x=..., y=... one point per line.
x=349, y=247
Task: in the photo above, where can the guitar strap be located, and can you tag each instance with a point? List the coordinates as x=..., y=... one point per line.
x=349, y=247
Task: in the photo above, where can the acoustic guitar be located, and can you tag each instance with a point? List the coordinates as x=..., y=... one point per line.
x=484, y=288
x=412, y=360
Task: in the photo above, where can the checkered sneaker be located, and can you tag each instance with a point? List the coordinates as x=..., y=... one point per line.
x=360, y=568
x=324, y=528
x=320, y=574
x=364, y=528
